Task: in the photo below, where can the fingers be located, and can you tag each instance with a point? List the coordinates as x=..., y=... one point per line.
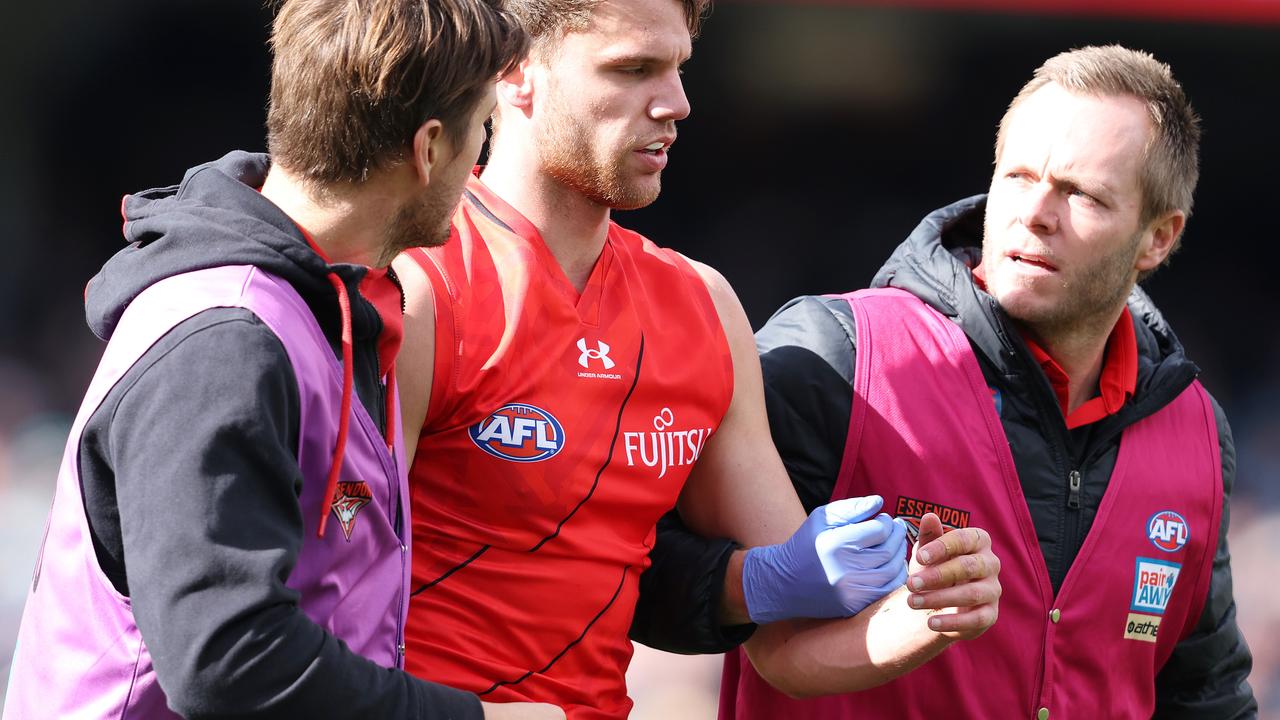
x=964, y=541
x=965, y=595
x=858, y=537
x=955, y=571
x=955, y=576
x=852, y=510
x=965, y=624
x=930, y=529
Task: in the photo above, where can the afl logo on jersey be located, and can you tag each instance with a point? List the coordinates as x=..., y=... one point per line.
x=1168, y=530
x=519, y=433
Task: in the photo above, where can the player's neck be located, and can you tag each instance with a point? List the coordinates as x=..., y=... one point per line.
x=573, y=227
x=348, y=225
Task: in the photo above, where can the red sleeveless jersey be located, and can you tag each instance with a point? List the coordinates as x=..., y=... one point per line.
x=560, y=428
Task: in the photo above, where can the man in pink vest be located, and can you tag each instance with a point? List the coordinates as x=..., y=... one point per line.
x=1005, y=371
x=229, y=536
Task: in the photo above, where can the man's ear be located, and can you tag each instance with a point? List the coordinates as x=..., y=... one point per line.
x=431, y=149
x=1161, y=234
x=516, y=87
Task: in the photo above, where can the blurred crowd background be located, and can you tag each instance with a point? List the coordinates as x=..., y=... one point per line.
x=821, y=132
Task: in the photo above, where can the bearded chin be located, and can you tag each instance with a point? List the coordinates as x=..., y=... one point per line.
x=603, y=182
x=422, y=223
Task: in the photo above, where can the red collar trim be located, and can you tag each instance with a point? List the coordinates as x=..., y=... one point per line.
x=385, y=295
x=1116, y=383
x=379, y=289
x=499, y=208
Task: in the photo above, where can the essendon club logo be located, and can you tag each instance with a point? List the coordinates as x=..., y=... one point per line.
x=348, y=499
x=912, y=509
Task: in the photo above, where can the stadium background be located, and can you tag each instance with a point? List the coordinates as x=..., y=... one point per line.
x=821, y=132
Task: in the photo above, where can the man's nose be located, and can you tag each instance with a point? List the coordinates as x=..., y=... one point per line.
x=671, y=103
x=1039, y=208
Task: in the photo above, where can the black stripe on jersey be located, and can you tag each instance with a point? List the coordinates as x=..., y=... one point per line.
x=451, y=570
x=617, y=427
x=568, y=647
x=486, y=211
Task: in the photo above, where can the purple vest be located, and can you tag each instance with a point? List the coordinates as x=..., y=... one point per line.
x=924, y=433
x=79, y=652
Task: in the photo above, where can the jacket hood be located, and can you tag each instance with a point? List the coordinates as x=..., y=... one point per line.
x=934, y=263
x=216, y=217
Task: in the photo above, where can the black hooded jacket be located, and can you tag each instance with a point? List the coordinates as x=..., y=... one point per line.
x=190, y=476
x=807, y=351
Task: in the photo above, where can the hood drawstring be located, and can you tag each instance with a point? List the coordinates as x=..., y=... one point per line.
x=392, y=409
x=348, y=381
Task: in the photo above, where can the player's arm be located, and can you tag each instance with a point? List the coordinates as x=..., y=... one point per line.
x=691, y=598
x=740, y=490
x=415, y=364
x=807, y=658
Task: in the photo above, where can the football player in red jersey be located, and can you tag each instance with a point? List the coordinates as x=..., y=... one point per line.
x=568, y=380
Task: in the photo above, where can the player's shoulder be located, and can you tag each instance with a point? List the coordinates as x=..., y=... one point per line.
x=647, y=250
x=716, y=283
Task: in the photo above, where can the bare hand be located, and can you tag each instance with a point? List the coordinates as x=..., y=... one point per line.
x=521, y=711
x=957, y=576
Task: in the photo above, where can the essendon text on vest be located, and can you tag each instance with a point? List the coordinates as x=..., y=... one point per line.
x=916, y=509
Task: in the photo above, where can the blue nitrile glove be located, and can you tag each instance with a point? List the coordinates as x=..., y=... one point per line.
x=842, y=559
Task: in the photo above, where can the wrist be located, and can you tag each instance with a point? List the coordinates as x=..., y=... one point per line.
x=772, y=589
x=733, y=600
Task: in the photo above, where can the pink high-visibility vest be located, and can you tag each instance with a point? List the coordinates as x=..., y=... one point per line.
x=924, y=433
x=80, y=654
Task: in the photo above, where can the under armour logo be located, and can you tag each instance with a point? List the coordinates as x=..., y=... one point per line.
x=601, y=353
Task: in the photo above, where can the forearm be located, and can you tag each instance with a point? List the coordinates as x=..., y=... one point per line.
x=809, y=658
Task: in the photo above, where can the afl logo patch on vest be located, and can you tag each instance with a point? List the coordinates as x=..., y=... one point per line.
x=519, y=433
x=1168, y=531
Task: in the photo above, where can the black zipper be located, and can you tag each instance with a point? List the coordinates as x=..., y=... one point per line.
x=1057, y=439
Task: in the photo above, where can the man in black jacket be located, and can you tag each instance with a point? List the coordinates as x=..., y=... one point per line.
x=1096, y=164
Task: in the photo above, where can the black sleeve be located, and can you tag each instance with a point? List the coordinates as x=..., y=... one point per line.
x=199, y=439
x=680, y=594
x=1207, y=674
x=807, y=356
